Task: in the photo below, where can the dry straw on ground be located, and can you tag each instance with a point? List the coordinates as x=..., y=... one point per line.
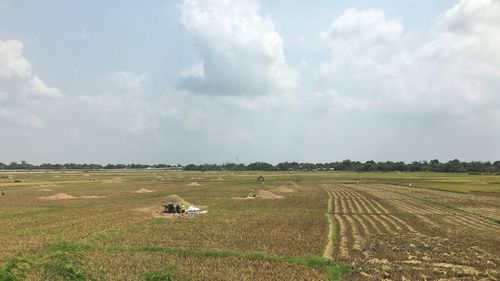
x=65, y=196
x=143, y=190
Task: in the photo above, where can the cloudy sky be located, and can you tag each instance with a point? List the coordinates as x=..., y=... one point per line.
x=195, y=81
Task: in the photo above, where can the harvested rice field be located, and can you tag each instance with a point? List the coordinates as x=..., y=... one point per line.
x=292, y=226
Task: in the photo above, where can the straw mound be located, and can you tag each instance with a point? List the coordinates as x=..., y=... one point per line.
x=59, y=196
x=92, y=196
x=177, y=199
x=264, y=194
x=49, y=185
x=218, y=179
x=292, y=184
x=65, y=196
x=283, y=189
x=143, y=190
x=157, y=210
x=194, y=184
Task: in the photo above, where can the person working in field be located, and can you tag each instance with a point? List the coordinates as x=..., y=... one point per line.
x=3, y=192
x=183, y=209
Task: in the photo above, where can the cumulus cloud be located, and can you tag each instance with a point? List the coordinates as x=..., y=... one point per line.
x=20, y=87
x=368, y=25
x=39, y=89
x=242, y=52
x=12, y=62
x=455, y=73
x=464, y=49
x=361, y=42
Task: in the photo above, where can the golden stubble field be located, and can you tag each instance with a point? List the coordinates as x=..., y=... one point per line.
x=299, y=226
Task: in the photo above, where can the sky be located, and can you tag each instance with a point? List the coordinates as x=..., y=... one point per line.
x=212, y=81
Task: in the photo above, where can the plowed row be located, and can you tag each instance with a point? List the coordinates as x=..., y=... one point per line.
x=394, y=232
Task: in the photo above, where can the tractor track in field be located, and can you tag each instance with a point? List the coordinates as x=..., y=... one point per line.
x=389, y=234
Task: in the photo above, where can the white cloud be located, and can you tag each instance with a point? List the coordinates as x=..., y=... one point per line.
x=455, y=73
x=129, y=81
x=12, y=62
x=20, y=88
x=242, y=52
x=362, y=44
x=39, y=89
x=367, y=25
x=16, y=75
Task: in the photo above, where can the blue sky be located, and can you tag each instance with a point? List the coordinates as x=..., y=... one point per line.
x=204, y=81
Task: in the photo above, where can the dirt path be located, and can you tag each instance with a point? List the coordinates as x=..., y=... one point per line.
x=328, y=253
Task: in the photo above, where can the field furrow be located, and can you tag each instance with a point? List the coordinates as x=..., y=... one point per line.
x=342, y=246
x=357, y=239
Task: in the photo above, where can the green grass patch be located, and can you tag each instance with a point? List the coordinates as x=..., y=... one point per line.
x=167, y=274
x=334, y=271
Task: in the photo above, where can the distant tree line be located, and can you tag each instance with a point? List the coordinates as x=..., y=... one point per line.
x=73, y=166
x=357, y=166
x=453, y=166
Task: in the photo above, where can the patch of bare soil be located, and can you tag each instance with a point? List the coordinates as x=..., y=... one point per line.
x=113, y=180
x=485, y=193
x=264, y=194
x=59, y=196
x=155, y=212
x=143, y=190
x=283, y=189
x=194, y=184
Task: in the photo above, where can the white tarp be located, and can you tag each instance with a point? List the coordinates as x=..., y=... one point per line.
x=193, y=210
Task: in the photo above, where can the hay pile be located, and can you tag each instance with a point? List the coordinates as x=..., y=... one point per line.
x=264, y=194
x=143, y=190
x=260, y=194
x=177, y=199
x=156, y=210
x=193, y=184
x=65, y=196
x=59, y=196
x=92, y=196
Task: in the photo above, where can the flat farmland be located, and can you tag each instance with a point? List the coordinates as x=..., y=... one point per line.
x=299, y=226
x=405, y=233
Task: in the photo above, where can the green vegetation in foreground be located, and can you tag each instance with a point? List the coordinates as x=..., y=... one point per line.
x=65, y=261
x=167, y=274
x=60, y=262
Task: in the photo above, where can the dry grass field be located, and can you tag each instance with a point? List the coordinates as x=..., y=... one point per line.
x=299, y=226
